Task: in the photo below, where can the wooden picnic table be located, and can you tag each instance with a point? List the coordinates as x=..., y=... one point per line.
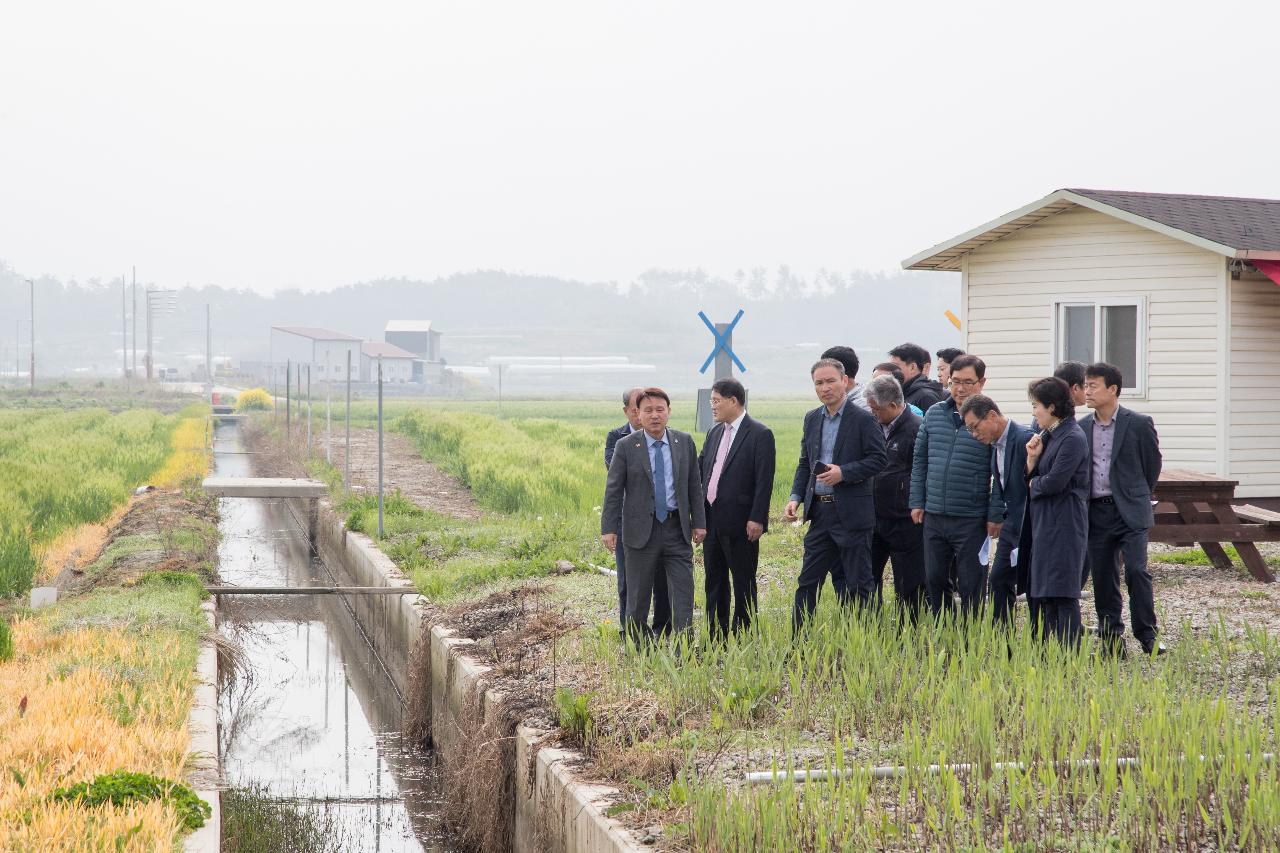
x=1194, y=507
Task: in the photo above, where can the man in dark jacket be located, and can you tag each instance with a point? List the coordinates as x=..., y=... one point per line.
x=841, y=450
x=1008, y=442
x=896, y=537
x=951, y=493
x=1125, y=466
x=917, y=388
x=661, y=600
x=737, y=464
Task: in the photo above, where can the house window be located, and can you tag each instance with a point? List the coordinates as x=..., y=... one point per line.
x=1110, y=330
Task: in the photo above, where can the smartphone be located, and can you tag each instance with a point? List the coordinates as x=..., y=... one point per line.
x=820, y=468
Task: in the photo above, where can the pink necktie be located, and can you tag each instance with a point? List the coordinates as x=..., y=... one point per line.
x=718, y=468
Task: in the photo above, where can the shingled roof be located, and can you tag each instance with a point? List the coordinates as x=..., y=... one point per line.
x=1234, y=227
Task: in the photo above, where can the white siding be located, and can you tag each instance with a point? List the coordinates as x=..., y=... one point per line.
x=1009, y=287
x=1255, y=386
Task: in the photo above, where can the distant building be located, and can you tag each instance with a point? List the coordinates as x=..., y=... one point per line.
x=418, y=337
x=398, y=365
x=324, y=349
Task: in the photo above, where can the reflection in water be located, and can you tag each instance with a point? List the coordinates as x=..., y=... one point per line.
x=314, y=718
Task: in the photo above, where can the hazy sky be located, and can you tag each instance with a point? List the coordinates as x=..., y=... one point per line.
x=274, y=144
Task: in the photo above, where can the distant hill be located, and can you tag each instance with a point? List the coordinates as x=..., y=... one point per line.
x=653, y=320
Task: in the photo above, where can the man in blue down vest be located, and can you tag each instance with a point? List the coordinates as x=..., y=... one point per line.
x=951, y=493
x=1008, y=441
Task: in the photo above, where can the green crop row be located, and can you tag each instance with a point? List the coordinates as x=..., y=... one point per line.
x=61, y=469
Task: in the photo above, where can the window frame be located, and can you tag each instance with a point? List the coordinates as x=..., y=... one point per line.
x=1135, y=387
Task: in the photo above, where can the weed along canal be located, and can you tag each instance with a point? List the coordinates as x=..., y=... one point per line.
x=309, y=723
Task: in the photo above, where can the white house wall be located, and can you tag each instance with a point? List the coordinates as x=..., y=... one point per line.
x=1009, y=286
x=1255, y=385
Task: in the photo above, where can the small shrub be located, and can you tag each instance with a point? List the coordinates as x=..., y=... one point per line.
x=123, y=788
x=575, y=714
x=255, y=399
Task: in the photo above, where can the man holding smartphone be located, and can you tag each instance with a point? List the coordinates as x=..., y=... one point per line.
x=841, y=451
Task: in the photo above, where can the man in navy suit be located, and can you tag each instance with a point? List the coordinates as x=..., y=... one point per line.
x=840, y=453
x=737, y=463
x=661, y=601
x=1124, y=469
x=1009, y=439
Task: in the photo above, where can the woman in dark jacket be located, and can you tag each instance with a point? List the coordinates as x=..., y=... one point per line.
x=1058, y=486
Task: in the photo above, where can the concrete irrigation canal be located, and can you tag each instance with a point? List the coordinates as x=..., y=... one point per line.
x=307, y=713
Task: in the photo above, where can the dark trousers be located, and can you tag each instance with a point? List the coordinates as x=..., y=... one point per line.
x=900, y=541
x=1006, y=579
x=831, y=548
x=1110, y=541
x=661, y=600
x=667, y=554
x=1055, y=617
x=728, y=554
x=947, y=538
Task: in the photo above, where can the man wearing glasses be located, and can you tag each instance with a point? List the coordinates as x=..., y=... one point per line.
x=951, y=493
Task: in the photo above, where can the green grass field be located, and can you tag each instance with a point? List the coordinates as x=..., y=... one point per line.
x=857, y=692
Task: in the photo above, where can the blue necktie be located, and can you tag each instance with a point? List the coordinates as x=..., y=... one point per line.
x=659, y=483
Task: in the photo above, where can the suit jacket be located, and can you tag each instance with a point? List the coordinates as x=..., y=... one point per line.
x=611, y=441
x=1059, y=510
x=892, y=486
x=1012, y=488
x=628, y=493
x=746, y=483
x=1135, y=465
x=859, y=453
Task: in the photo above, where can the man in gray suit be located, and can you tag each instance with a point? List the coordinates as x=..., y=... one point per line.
x=1125, y=467
x=655, y=487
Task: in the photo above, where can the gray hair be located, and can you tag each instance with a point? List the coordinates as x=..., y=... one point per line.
x=628, y=394
x=827, y=362
x=884, y=391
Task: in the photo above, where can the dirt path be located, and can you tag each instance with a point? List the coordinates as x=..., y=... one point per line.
x=406, y=470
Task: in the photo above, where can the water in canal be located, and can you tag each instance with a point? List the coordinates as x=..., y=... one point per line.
x=313, y=718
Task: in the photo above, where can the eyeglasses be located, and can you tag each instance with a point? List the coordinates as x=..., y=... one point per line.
x=964, y=383
x=973, y=429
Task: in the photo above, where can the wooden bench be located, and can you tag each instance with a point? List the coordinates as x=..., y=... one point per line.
x=1180, y=519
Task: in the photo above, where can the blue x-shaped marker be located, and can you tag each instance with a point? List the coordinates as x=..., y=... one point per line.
x=722, y=342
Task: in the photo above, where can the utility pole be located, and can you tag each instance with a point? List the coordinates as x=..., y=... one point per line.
x=135, y=321
x=208, y=352
x=308, y=407
x=158, y=302
x=32, y=282
x=288, y=382
x=124, y=327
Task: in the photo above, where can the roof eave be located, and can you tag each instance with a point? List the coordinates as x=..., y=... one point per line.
x=945, y=257
x=928, y=259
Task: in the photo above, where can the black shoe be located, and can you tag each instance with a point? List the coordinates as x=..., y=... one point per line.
x=1156, y=649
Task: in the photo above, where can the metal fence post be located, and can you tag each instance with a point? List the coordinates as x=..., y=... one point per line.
x=346, y=458
x=379, y=447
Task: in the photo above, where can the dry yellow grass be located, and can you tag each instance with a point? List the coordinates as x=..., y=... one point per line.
x=77, y=689
x=189, y=461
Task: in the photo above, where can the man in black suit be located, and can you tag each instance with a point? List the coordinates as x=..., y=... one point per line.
x=841, y=451
x=737, y=464
x=661, y=601
x=1126, y=460
x=896, y=536
x=655, y=488
x=1008, y=439
x=917, y=388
